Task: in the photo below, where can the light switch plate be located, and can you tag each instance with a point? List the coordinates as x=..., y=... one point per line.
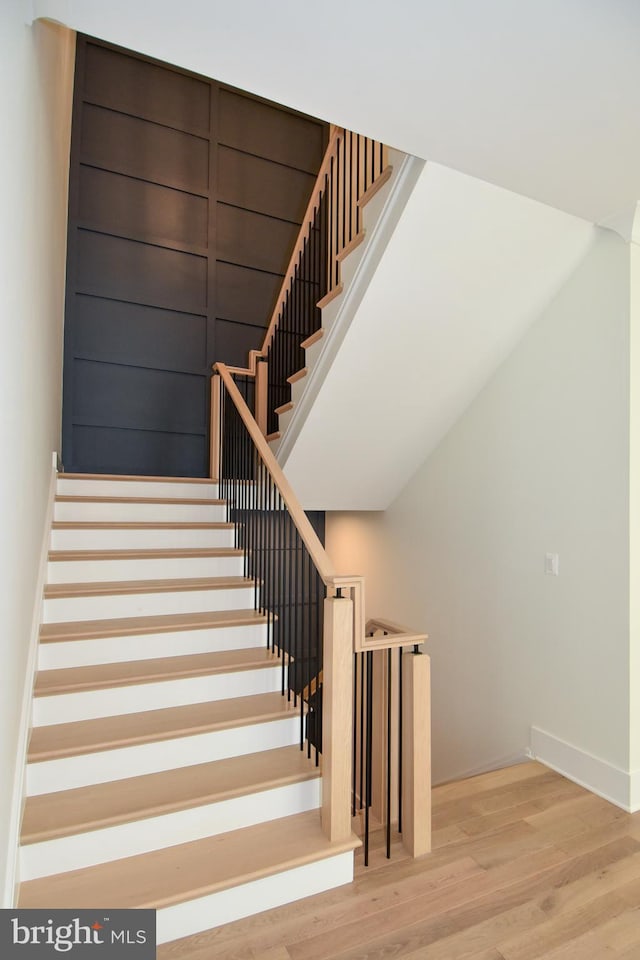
x=551, y=564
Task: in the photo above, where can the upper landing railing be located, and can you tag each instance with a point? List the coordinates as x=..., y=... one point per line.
x=352, y=171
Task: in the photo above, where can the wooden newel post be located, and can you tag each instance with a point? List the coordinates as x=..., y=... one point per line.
x=337, y=717
x=416, y=754
x=214, y=429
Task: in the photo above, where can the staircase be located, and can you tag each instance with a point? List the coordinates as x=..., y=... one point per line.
x=164, y=766
x=379, y=210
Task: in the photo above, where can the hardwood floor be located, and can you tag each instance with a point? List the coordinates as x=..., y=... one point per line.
x=525, y=866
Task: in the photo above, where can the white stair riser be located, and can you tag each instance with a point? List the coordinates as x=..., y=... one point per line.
x=162, y=568
x=155, y=538
x=83, y=653
x=137, y=698
x=136, y=488
x=246, y=899
x=124, y=512
x=297, y=389
x=66, y=773
x=283, y=420
x=101, y=607
x=154, y=833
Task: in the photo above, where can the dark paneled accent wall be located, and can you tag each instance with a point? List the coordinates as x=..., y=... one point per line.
x=186, y=197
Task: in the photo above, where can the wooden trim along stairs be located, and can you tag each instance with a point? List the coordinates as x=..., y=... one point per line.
x=350, y=257
x=164, y=767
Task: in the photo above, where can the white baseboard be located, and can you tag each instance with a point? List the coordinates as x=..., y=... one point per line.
x=12, y=877
x=634, y=792
x=620, y=787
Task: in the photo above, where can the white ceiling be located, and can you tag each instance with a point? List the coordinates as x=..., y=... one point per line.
x=539, y=96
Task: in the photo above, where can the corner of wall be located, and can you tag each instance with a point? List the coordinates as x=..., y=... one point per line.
x=12, y=878
x=606, y=780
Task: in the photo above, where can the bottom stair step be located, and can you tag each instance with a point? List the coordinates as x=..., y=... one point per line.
x=199, y=885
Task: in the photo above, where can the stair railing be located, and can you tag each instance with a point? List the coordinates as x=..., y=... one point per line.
x=331, y=661
x=312, y=613
x=391, y=763
x=354, y=168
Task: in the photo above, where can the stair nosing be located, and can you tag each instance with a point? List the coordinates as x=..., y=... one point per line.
x=136, y=478
x=150, y=553
x=66, y=591
x=171, y=501
x=312, y=338
x=166, y=677
x=141, y=626
x=141, y=525
x=179, y=732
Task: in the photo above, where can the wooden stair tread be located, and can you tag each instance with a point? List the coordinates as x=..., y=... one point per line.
x=107, y=675
x=109, y=733
x=59, y=590
x=91, y=808
x=284, y=408
x=298, y=375
x=189, y=870
x=197, y=501
x=156, y=623
x=139, y=525
x=169, y=553
x=135, y=477
x=309, y=342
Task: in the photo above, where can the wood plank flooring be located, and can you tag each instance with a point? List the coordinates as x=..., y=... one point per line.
x=526, y=866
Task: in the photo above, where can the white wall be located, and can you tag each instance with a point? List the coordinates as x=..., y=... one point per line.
x=467, y=270
x=35, y=86
x=634, y=523
x=539, y=462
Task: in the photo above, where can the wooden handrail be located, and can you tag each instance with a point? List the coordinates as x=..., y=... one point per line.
x=345, y=639
x=307, y=219
x=310, y=538
x=385, y=635
x=339, y=584
x=360, y=185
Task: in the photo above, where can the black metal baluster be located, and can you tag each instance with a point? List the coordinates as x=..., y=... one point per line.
x=318, y=730
x=335, y=267
x=362, y=718
x=282, y=639
x=298, y=632
x=344, y=191
x=352, y=199
x=358, y=184
x=354, y=758
x=251, y=520
x=389, y=753
x=369, y=739
x=330, y=211
x=293, y=669
x=269, y=559
x=310, y=653
x=259, y=547
x=399, y=739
